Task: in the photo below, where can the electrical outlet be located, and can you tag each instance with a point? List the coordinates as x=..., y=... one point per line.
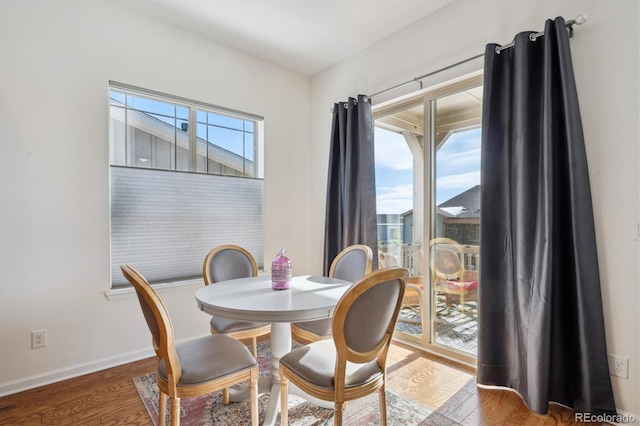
x=619, y=366
x=38, y=339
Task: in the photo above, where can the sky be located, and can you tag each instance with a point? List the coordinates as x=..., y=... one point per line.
x=457, y=169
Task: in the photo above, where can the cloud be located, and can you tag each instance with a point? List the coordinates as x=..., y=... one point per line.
x=468, y=158
x=394, y=199
x=460, y=153
x=461, y=182
x=391, y=151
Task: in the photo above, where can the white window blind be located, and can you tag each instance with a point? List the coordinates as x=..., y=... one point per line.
x=165, y=222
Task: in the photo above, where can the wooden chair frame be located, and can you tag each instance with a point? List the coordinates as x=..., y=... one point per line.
x=249, y=334
x=461, y=274
x=367, y=251
x=300, y=334
x=340, y=394
x=165, y=350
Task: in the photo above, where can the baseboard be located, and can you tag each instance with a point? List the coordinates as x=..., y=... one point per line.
x=37, y=380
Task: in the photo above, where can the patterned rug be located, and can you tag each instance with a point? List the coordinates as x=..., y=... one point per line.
x=209, y=409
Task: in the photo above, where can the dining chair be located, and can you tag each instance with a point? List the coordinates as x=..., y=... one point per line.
x=196, y=367
x=351, y=264
x=450, y=276
x=228, y=262
x=352, y=364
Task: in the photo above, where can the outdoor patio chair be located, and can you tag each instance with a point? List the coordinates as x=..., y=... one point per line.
x=449, y=274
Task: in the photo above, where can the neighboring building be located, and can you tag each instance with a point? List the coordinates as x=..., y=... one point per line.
x=390, y=229
x=457, y=218
x=407, y=230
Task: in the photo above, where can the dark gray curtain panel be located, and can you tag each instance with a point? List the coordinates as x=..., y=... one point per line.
x=541, y=327
x=351, y=186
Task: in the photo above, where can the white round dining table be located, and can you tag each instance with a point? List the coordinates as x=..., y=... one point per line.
x=253, y=299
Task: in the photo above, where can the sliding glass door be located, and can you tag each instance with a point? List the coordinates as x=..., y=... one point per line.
x=428, y=199
x=399, y=182
x=455, y=220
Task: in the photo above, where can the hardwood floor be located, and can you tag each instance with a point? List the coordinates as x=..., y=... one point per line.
x=449, y=390
x=109, y=397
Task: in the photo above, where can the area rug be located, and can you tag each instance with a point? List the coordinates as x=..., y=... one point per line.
x=209, y=410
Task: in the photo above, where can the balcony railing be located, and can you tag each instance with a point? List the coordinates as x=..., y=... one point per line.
x=409, y=256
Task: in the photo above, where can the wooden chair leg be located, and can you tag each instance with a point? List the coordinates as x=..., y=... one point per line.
x=338, y=408
x=225, y=396
x=253, y=395
x=254, y=346
x=175, y=411
x=162, y=408
x=284, y=400
x=382, y=397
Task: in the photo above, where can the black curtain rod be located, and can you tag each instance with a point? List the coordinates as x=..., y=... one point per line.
x=417, y=79
x=580, y=19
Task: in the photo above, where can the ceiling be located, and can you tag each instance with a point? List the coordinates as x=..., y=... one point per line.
x=306, y=36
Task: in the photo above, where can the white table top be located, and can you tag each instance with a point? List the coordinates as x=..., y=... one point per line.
x=253, y=299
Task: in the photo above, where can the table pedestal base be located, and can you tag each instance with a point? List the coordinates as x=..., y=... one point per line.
x=280, y=345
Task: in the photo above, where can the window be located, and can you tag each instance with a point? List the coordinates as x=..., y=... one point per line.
x=153, y=131
x=176, y=193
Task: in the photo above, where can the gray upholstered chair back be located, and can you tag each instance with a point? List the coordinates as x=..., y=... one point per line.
x=370, y=315
x=227, y=263
x=156, y=315
x=353, y=263
x=370, y=310
x=152, y=322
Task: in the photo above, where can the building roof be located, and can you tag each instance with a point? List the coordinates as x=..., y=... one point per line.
x=463, y=205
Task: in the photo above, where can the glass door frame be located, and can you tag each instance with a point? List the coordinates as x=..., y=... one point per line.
x=428, y=98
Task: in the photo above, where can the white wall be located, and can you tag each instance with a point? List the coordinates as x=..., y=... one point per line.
x=605, y=52
x=56, y=59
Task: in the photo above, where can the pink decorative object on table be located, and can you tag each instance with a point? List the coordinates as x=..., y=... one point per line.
x=281, y=271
